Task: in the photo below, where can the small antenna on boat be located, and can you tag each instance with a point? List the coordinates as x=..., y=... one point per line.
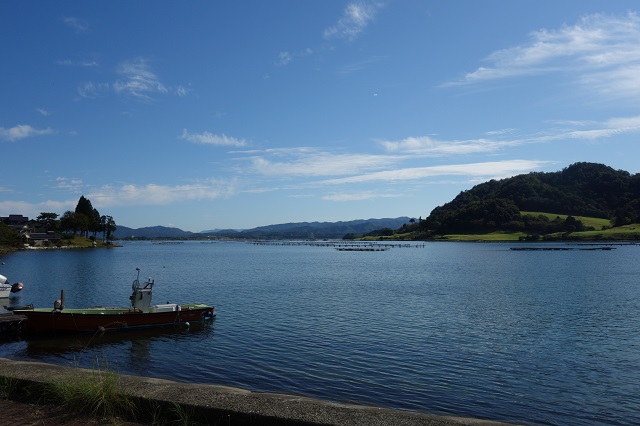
x=135, y=286
x=58, y=305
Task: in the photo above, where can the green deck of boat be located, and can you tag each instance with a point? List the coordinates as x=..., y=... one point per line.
x=102, y=310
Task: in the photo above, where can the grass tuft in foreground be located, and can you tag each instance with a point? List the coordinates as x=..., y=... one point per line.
x=96, y=394
x=8, y=386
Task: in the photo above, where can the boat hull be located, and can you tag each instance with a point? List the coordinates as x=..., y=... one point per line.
x=103, y=319
x=7, y=289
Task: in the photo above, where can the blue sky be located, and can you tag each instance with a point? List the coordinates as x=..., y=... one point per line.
x=220, y=114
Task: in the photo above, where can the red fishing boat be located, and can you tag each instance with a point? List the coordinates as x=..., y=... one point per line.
x=139, y=314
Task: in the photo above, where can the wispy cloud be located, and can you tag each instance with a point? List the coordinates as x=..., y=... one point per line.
x=590, y=131
x=363, y=168
x=488, y=170
x=359, y=66
x=182, y=91
x=135, y=78
x=71, y=184
x=284, y=58
x=425, y=145
x=356, y=17
x=43, y=111
x=22, y=131
x=72, y=63
x=600, y=51
x=500, y=132
x=92, y=90
x=211, y=139
x=78, y=25
x=309, y=162
x=619, y=83
x=358, y=196
x=138, y=80
x=502, y=139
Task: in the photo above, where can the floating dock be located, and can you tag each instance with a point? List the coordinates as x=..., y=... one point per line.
x=559, y=248
x=362, y=248
x=339, y=244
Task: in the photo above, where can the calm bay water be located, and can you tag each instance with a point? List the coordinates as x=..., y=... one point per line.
x=479, y=330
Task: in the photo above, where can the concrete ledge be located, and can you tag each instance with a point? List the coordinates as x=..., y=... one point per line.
x=232, y=406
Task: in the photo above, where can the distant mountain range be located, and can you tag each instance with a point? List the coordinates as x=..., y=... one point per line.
x=299, y=230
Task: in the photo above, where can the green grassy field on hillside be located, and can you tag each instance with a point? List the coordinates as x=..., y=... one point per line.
x=626, y=232
x=602, y=231
x=491, y=236
x=594, y=222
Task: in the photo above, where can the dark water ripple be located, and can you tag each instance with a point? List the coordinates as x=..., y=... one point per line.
x=464, y=329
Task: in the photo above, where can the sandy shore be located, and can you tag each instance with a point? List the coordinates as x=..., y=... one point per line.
x=233, y=406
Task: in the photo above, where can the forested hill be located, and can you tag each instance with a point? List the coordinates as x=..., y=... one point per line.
x=582, y=189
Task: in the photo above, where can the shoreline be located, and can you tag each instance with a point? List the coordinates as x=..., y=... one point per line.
x=214, y=403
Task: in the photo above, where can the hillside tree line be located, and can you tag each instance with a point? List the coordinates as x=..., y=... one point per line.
x=85, y=220
x=581, y=189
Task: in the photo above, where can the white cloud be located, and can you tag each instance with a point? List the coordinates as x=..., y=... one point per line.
x=211, y=139
x=129, y=195
x=43, y=111
x=356, y=17
x=33, y=210
x=22, y=131
x=599, y=51
x=152, y=194
x=489, y=170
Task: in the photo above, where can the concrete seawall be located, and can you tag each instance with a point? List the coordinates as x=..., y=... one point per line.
x=232, y=406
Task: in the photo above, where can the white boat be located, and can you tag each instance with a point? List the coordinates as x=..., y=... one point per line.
x=7, y=289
